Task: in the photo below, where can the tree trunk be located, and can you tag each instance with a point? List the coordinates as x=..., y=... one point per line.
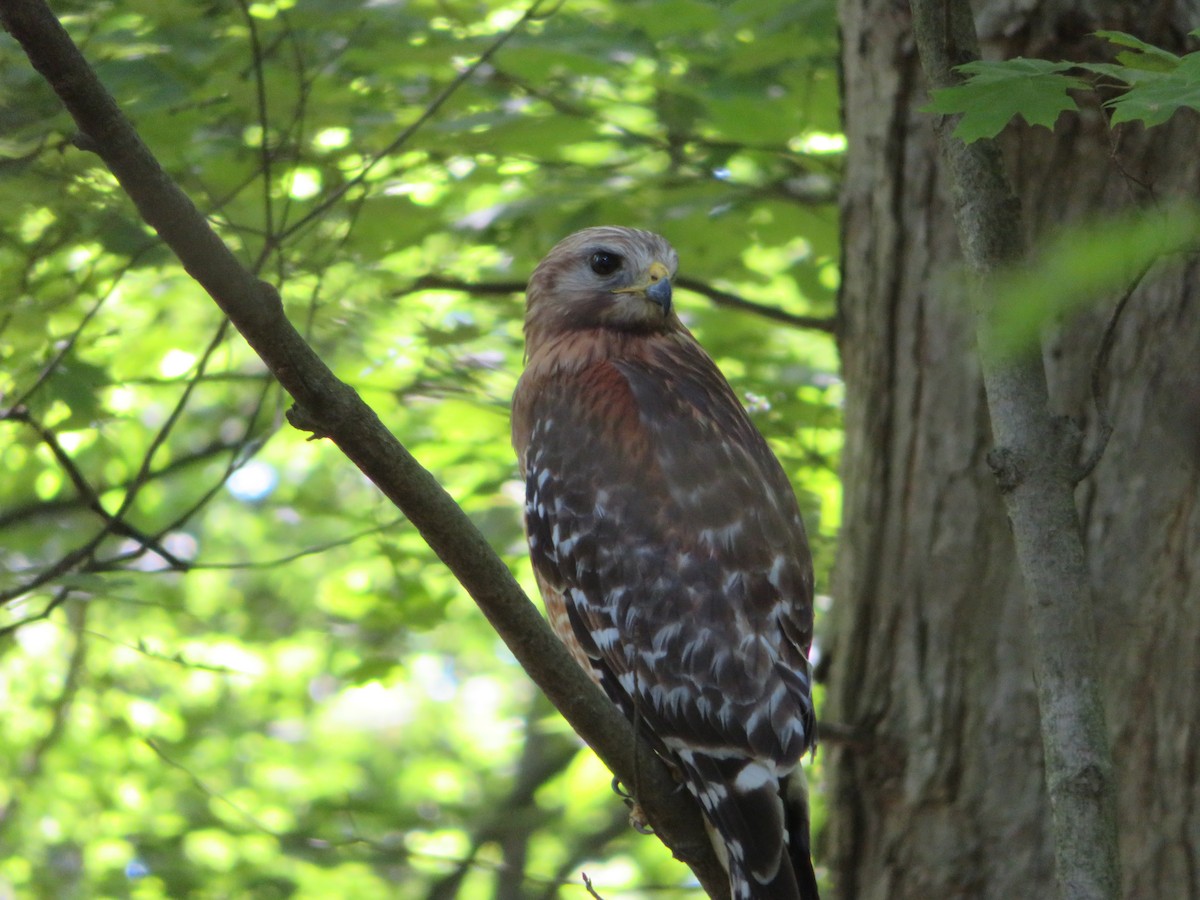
x=945, y=796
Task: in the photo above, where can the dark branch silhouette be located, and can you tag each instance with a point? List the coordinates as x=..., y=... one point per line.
x=718, y=297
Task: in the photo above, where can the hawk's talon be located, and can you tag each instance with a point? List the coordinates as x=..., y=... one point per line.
x=638, y=820
x=619, y=790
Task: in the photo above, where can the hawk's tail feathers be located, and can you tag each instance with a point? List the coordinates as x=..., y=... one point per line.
x=795, y=796
x=743, y=804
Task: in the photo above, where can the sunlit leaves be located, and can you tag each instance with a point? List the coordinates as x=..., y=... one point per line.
x=314, y=708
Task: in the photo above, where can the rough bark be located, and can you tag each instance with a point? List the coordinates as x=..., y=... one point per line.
x=946, y=798
x=1036, y=463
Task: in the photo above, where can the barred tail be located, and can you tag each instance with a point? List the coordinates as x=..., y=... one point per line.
x=763, y=844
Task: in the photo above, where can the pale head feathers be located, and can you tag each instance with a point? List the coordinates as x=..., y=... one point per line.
x=606, y=277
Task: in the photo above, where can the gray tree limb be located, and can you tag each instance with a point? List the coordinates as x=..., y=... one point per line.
x=1036, y=462
x=332, y=409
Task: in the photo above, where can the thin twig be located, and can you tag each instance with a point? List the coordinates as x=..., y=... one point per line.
x=307, y=551
x=65, y=347
x=208, y=792
x=718, y=296
x=58, y=569
x=827, y=324
x=143, y=472
x=177, y=658
x=265, y=151
x=59, y=598
x=587, y=883
x=87, y=493
x=19, y=515
x=1099, y=367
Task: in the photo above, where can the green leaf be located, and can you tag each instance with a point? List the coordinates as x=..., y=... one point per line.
x=1146, y=56
x=995, y=92
x=1153, y=97
x=1154, y=101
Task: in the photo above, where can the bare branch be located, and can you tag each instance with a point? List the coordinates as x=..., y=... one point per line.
x=307, y=551
x=207, y=791
x=733, y=301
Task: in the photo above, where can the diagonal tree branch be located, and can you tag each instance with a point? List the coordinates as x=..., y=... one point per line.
x=337, y=412
x=1035, y=460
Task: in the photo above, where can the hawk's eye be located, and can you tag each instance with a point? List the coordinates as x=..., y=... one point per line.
x=604, y=262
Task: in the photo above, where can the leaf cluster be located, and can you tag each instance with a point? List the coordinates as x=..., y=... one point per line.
x=1145, y=84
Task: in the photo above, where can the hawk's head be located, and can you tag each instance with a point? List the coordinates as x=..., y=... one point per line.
x=605, y=277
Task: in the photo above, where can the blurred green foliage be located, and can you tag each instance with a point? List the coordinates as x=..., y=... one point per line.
x=228, y=668
x=1084, y=263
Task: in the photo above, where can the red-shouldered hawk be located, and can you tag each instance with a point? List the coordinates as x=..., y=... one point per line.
x=668, y=545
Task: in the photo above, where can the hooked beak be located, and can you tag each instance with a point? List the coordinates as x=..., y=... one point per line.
x=657, y=287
